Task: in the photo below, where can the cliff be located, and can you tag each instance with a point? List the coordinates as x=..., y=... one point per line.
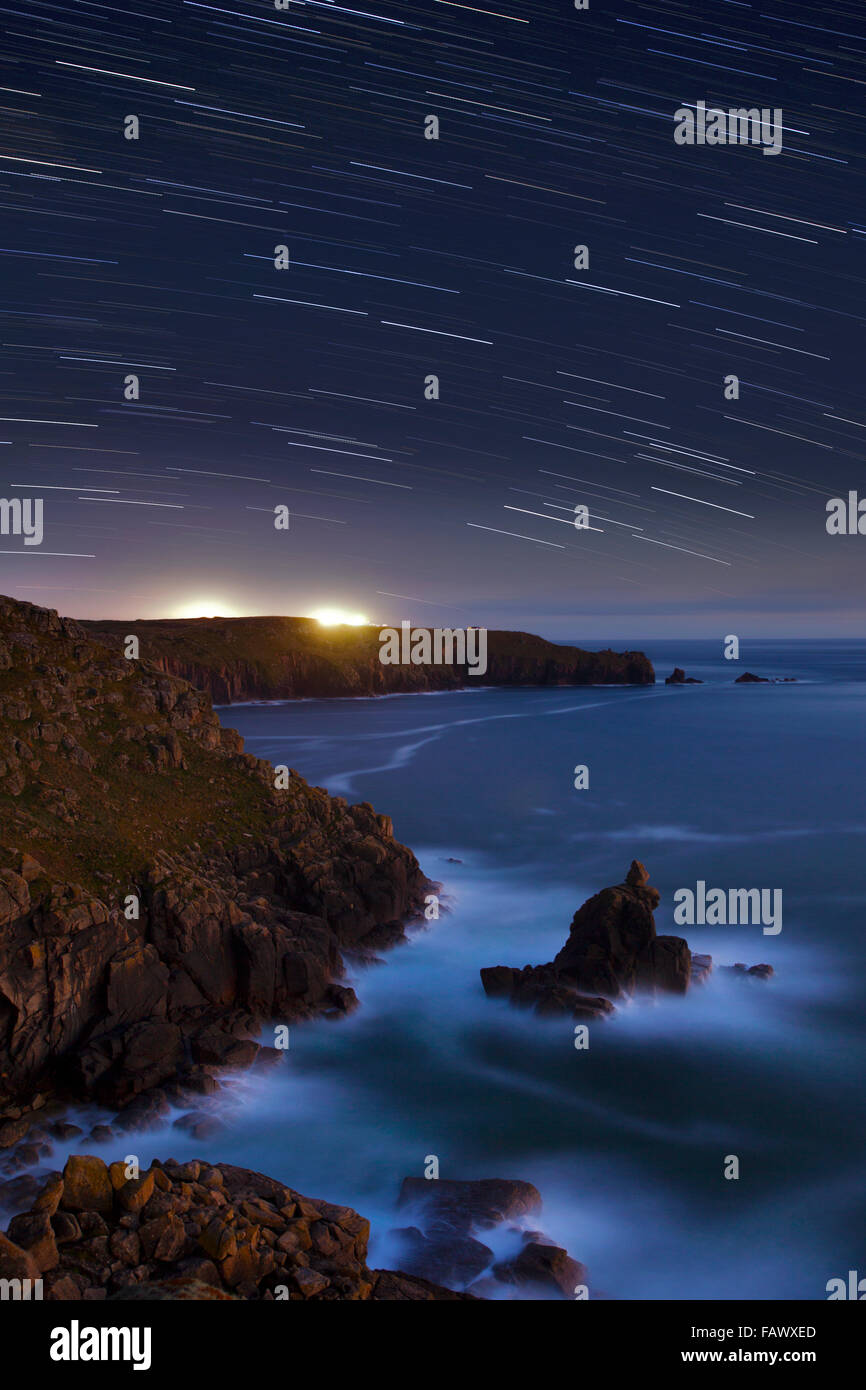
x=158, y=894
x=284, y=658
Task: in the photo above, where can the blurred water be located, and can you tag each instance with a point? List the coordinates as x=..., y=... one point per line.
x=739, y=786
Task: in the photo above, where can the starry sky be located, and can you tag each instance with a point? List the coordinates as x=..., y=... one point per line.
x=454, y=257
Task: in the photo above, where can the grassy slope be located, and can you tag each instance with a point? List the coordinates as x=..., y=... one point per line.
x=120, y=818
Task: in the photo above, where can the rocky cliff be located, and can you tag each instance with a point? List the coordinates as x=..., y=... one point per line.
x=158, y=893
x=284, y=658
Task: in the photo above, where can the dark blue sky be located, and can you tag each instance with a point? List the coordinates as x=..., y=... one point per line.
x=409, y=257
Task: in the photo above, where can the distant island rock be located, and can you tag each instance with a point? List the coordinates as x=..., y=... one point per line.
x=679, y=677
x=234, y=659
x=748, y=678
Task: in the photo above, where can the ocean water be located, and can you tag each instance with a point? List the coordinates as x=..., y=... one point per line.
x=756, y=786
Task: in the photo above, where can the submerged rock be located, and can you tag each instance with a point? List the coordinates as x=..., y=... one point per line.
x=749, y=678
x=544, y=1267
x=702, y=968
x=464, y=1205
x=445, y=1243
x=759, y=972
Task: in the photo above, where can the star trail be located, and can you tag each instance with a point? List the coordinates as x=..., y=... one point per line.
x=392, y=267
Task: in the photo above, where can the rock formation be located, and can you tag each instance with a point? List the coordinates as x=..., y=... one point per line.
x=612, y=950
x=447, y=1243
x=284, y=658
x=194, y=1231
x=158, y=892
x=748, y=678
x=679, y=677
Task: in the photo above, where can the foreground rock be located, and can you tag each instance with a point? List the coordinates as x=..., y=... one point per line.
x=288, y=658
x=159, y=894
x=194, y=1231
x=446, y=1243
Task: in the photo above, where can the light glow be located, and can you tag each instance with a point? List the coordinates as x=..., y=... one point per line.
x=339, y=617
x=205, y=608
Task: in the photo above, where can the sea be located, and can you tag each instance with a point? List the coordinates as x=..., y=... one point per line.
x=705, y=1146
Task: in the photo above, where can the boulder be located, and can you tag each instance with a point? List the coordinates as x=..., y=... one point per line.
x=447, y=1257
x=545, y=1267
x=86, y=1185
x=195, y=1231
x=33, y=1232
x=482, y=1203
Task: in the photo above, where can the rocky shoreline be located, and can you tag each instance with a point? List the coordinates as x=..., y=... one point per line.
x=236, y=659
x=164, y=896
x=160, y=894
x=196, y=1230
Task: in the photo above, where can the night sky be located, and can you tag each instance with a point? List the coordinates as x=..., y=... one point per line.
x=412, y=257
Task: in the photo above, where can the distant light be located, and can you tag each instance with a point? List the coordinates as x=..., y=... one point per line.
x=205, y=608
x=339, y=617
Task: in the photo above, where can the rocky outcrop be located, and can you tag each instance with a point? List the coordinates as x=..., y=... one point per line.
x=287, y=658
x=679, y=677
x=194, y=1231
x=748, y=678
x=612, y=950
x=446, y=1243
x=757, y=972
x=612, y=946
x=160, y=889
